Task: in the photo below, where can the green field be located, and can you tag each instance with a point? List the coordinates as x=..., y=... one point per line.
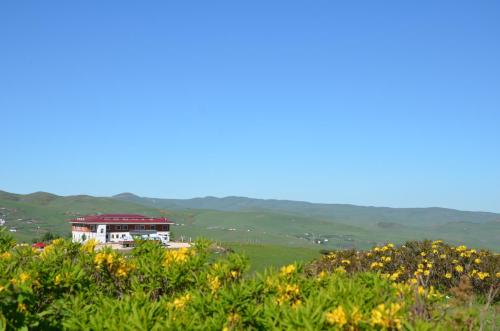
x=268, y=256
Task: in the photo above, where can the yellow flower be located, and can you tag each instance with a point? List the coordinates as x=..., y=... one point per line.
x=394, y=276
x=214, y=283
x=321, y=275
x=233, y=318
x=423, y=253
x=180, y=303
x=437, y=242
x=346, y=262
x=57, y=279
x=340, y=270
x=426, y=272
x=2, y=288
x=337, y=317
x=375, y=265
x=459, y=268
x=234, y=273
x=355, y=316
x=287, y=270
x=442, y=256
x=477, y=261
x=179, y=256
x=5, y=256
x=386, y=258
x=483, y=275
x=461, y=248
x=89, y=246
x=22, y=307
x=390, y=245
x=447, y=275
x=24, y=277
x=497, y=275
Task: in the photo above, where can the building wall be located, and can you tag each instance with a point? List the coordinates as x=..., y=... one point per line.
x=116, y=232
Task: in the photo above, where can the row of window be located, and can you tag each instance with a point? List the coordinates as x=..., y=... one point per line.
x=132, y=227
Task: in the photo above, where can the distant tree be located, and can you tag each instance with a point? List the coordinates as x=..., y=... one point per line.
x=49, y=236
x=84, y=237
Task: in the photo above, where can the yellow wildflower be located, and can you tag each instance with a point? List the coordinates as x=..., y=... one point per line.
x=394, y=276
x=477, y=261
x=355, y=316
x=22, y=307
x=24, y=277
x=321, y=275
x=346, y=262
x=180, y=303
x=179, y=256
x=447, y=275
x=497, y=275
x=233, y=318
x=423, y=254
x=89, y=246
x=426, y=272
x=214, y=283
x=287, y=270
x=483, y=275
x=442, y=256
x=337, y=317
x=459, y=268
x=5, y=256
x=386, y=258
x=57, y=279
x=340, y=270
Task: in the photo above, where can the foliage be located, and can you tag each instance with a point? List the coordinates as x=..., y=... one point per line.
x=426, y=263
x=73, y=286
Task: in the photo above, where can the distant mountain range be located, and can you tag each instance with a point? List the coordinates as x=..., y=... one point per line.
x=240, y=219
x=349, y=214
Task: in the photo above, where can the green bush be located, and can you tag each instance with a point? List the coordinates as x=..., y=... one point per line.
x=72, y=286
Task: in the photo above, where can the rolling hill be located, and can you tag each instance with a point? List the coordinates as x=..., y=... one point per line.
x=263, y=222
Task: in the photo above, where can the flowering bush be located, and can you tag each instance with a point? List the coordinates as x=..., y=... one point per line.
x=72, y=286
x=430, y=264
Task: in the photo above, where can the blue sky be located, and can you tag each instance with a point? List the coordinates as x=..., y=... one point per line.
x=393, y=103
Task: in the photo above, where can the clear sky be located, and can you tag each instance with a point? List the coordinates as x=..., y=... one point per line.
x=386, y=103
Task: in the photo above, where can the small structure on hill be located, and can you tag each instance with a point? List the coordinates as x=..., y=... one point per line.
x=119, y=228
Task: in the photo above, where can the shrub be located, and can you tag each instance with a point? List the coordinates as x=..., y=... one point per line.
x=72, y=286
x=431, y=264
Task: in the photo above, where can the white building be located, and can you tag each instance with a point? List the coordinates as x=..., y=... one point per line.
x=118, y=228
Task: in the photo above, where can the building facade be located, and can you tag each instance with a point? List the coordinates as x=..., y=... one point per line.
x=118, y=228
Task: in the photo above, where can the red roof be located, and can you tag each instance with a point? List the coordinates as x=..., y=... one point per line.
x=39, y=245
x=120, y=218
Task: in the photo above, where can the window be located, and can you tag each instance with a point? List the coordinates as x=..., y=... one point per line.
x=125, y=227
x=92, y=228
x=118, y=227
x=153, y=227
x=102, y=230
x=139, y=227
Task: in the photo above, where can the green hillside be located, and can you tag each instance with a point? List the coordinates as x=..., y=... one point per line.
x=348, y=214
x=34, y=214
